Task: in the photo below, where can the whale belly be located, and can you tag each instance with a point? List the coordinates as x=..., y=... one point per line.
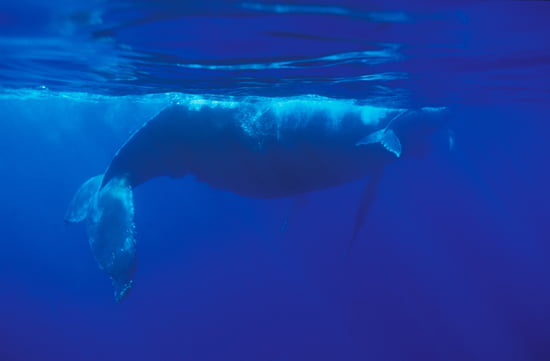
x=285, y=172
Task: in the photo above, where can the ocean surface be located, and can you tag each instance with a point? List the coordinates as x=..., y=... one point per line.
x=452, y=263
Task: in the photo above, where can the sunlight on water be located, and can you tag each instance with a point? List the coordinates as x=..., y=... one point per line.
x=86, y=48
x=387, y=52
x=329, y=10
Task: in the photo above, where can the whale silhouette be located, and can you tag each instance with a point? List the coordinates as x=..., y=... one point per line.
x=252, y=146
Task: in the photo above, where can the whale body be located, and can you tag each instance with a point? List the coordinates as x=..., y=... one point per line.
x=254, y=147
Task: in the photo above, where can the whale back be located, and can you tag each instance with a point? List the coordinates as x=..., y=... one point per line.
x=256, y=148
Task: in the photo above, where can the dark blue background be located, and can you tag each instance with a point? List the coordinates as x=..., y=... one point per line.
x=452, y=263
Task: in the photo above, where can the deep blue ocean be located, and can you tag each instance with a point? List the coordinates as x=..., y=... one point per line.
x=451, y=264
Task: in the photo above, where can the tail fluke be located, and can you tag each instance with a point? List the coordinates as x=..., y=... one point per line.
x=80, y=204
x=109, y=212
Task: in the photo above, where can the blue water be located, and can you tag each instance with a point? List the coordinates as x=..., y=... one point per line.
x=452, y=262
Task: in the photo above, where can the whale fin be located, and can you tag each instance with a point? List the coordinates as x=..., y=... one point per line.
x=109, y=212
x=80, y=204
x=387, y=138
x=451, y=140
x=365, y=204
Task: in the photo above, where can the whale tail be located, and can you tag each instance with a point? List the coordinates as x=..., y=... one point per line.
x=109, y=213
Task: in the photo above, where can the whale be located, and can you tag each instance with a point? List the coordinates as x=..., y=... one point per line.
x=256, y=147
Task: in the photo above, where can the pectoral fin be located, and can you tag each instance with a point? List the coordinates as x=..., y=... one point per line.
x=387, y=138
x=365, y=204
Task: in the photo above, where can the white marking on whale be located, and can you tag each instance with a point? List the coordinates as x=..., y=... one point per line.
x=254, y=147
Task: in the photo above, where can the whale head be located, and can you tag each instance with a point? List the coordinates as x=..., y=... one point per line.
x=421, y=130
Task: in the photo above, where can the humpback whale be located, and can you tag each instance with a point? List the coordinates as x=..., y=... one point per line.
x=252, y=146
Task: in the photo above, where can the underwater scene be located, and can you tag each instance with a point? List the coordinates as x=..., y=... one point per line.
x=274, y=181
